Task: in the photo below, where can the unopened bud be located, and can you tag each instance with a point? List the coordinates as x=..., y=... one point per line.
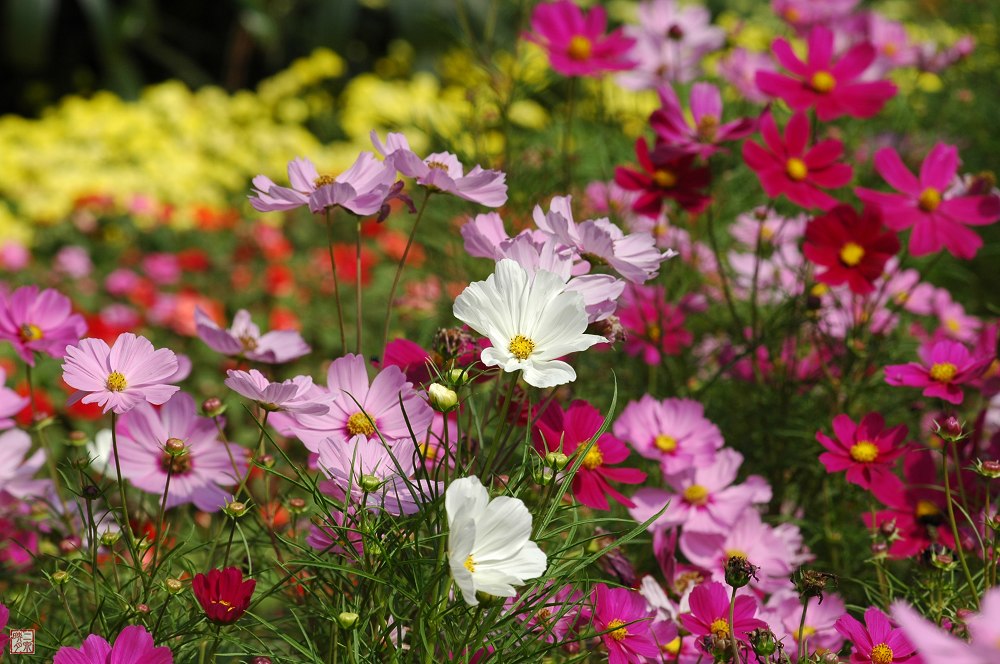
x=347, y=620
x=60, y=577
x=173, y=586
x=260, y=659
x=457, y=377
x=110, y=537
x=887, y=529
x=370, y=483
x=78, y=438
x=91, y=492
x=235, y=509
x=142, y=608
x=764, y=642
x=880, y=549
x=950, y=429
x=739, y=571
x=989, y=469
x=556, y=460
x=296, y=505
x=213, y=407
x=543, y=475
x=443, y=399
x=265, y=460
x=175, y=447
x=487, y=599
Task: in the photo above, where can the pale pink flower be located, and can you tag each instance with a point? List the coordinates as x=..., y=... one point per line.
x=18, y=470
x=673, y=432
x=122, y=376
x=296, y=395
x=785, y=614
x=73, y=262
x=14, y=256
x=244, y=339
x=740, y=69
x=937, y=646
x=39, y=321
x=11, y=403
x=777, y=229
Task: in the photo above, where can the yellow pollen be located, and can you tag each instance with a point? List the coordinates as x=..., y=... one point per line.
x=943, y=372
x=30, y=332
x=720, y=628
x=323, y=180
x=819, y=290
x=116, y=382
x=664, y=178
x=470, y=564
x=249, y=343
x=673, y=647
x=881, y=654
x=796, y=169
x=428, y=452
x=766, y=233
x=359, y=422
x=229, y=606
x=807, y=631
x=792, y=15
x=521, y=347
x=822, y=81
x=543, y=616
x=438, y=165
x=579, y=48
x=864, y=451
x=926, y=508
x=735, y=553
x=593, y=459
x=665, y=443
x=930, y=199
x=953, y=325
x=890, y=49
x=707, y=127
x=851, y=254
x=654, y=332
x=696, y=494
x=618, y=633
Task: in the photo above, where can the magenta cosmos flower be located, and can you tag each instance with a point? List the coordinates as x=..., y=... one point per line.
x=361, y=189
x=832, y=88
x=622, y=615
x=296, y=395
x=705, y=131
x=709, y=614
x=223, y=594
x=673, y=432
x=867, y=451
x=387, y=406
x=852, y=248
x=121, y=377
x=944, y=366
x=244, y=339
x=442, y=171
x=576, y=43
x=34, y=321
x=569, y=432
x=134, y=644
x=921, y=204
x=784, y=166
x=198, y=474
x=876, y=642
x=655, y=326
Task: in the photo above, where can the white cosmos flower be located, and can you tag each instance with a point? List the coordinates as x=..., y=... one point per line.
x=489, y=549
x=530, y=320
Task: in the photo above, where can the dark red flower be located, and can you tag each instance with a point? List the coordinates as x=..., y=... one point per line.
x=667, y=172
x=223, y=594
x=852, y=248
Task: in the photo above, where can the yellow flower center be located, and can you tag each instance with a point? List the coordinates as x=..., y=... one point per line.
x=953, y=325
x=864, y=451
x=696, y=494
x=930, y=199
x=428, y=452
x=617, y=632
x=736, y=553
x=543, y=616
x=943, y=372
x=851, y=254
x=521, y=347
x=673, y=647
x=807, y=631
x=249, y=343
x=665, y=443
x=819, y=290
x=579, y=48
x=229, y=605
x=30, y=332
x=823, y=81
x=438, y=165
x=654, y=332
x=664, y=178
x=707, y=127
x=360, y=423
x=593, y=459
x=116, y=382
x=926, y=508
x=470, y=564
x=890, y=49
x=796, y=169
x=720, y=628
x=792, y=15
x=881, y=654
x=323, y=180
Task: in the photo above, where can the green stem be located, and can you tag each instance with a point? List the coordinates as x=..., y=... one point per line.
x=357, y=282
x=50, y=458
x=336, y=286
x=801, y=648
x=958, y=540
x=399, y=268
x=260, y=452
x=732, y=628
x=160, y=538
x=126, y=523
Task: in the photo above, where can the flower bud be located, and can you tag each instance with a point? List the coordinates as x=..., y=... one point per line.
x=443, y=399
x=950, y=429
x=175, y=447
x=142, y=608
x=77, y=438
x=347, y=620
x=811, y=583
x=296, y=505
x=265, y=460
x=110, y=537
x=888, y=530
x=213, y=407
x=91, y=492
x=457, y=377
x=235, y=509
x=60, y=577
x=260, y=659
x=764, y=642
x=173, y=586
x=989, y=469
x=556, y=460
x=487, y=599
x=879, y=549
x=543, y=476
x=370, y=483
x=739, y=571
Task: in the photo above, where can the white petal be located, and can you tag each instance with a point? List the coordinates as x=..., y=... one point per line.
x=548, y=374
x=466, y=495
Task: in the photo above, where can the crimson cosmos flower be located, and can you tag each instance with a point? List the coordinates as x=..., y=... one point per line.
x=667, y=172
x=223, y=594
x=853, y=248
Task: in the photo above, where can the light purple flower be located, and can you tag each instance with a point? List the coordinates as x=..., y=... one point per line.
x=442, y=171
x=134, y=644
x=120, y=377
x=74, y=262
x=11, y=403
x=18, y=470
x=674, y=432
x=705, y=131
x=740, y=69
x=296, y=395
x=244, y=339
x=197, y=476
x=39, y=321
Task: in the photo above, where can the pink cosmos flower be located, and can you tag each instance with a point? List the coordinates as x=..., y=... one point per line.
x=244, y=339
x=442, y=171
x=11, y=403
x=830, y=87
x=39, y=321
x=74, y=262
x=196, y=476
x=4, y=617
x=673, y=432
x=369, y=410
x=944, y=366
x=362, y=189
x=739, y=68
x=821, y=617
x=937, y=221
x=936, y=646
x=339, y=535
x=655, y=327
x=703, y=498
x=18, y=470
x=569, y=432
x=801, y=14
x=622, y=615
x=121, y=377
x=576, y=42
x=867, y=451
x=892, y=45
x=778, y=230
x=554, y=614
x=705, y=131
x=876, y=642
x=786, y=167
x=133, y=644
x=296, y=395
x=710, y=613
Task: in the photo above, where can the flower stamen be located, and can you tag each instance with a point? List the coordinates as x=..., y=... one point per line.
x=116, y=382
x=521, y=346
x=360, y=423
x=618, y=633
x=864, y=451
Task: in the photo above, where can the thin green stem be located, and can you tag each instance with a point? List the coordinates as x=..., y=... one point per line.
x=336, y=286
x=399, y=268
x=801, y=636
x=958, y=540
x=732, y=628
x=126, y=523
x=357, y=281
